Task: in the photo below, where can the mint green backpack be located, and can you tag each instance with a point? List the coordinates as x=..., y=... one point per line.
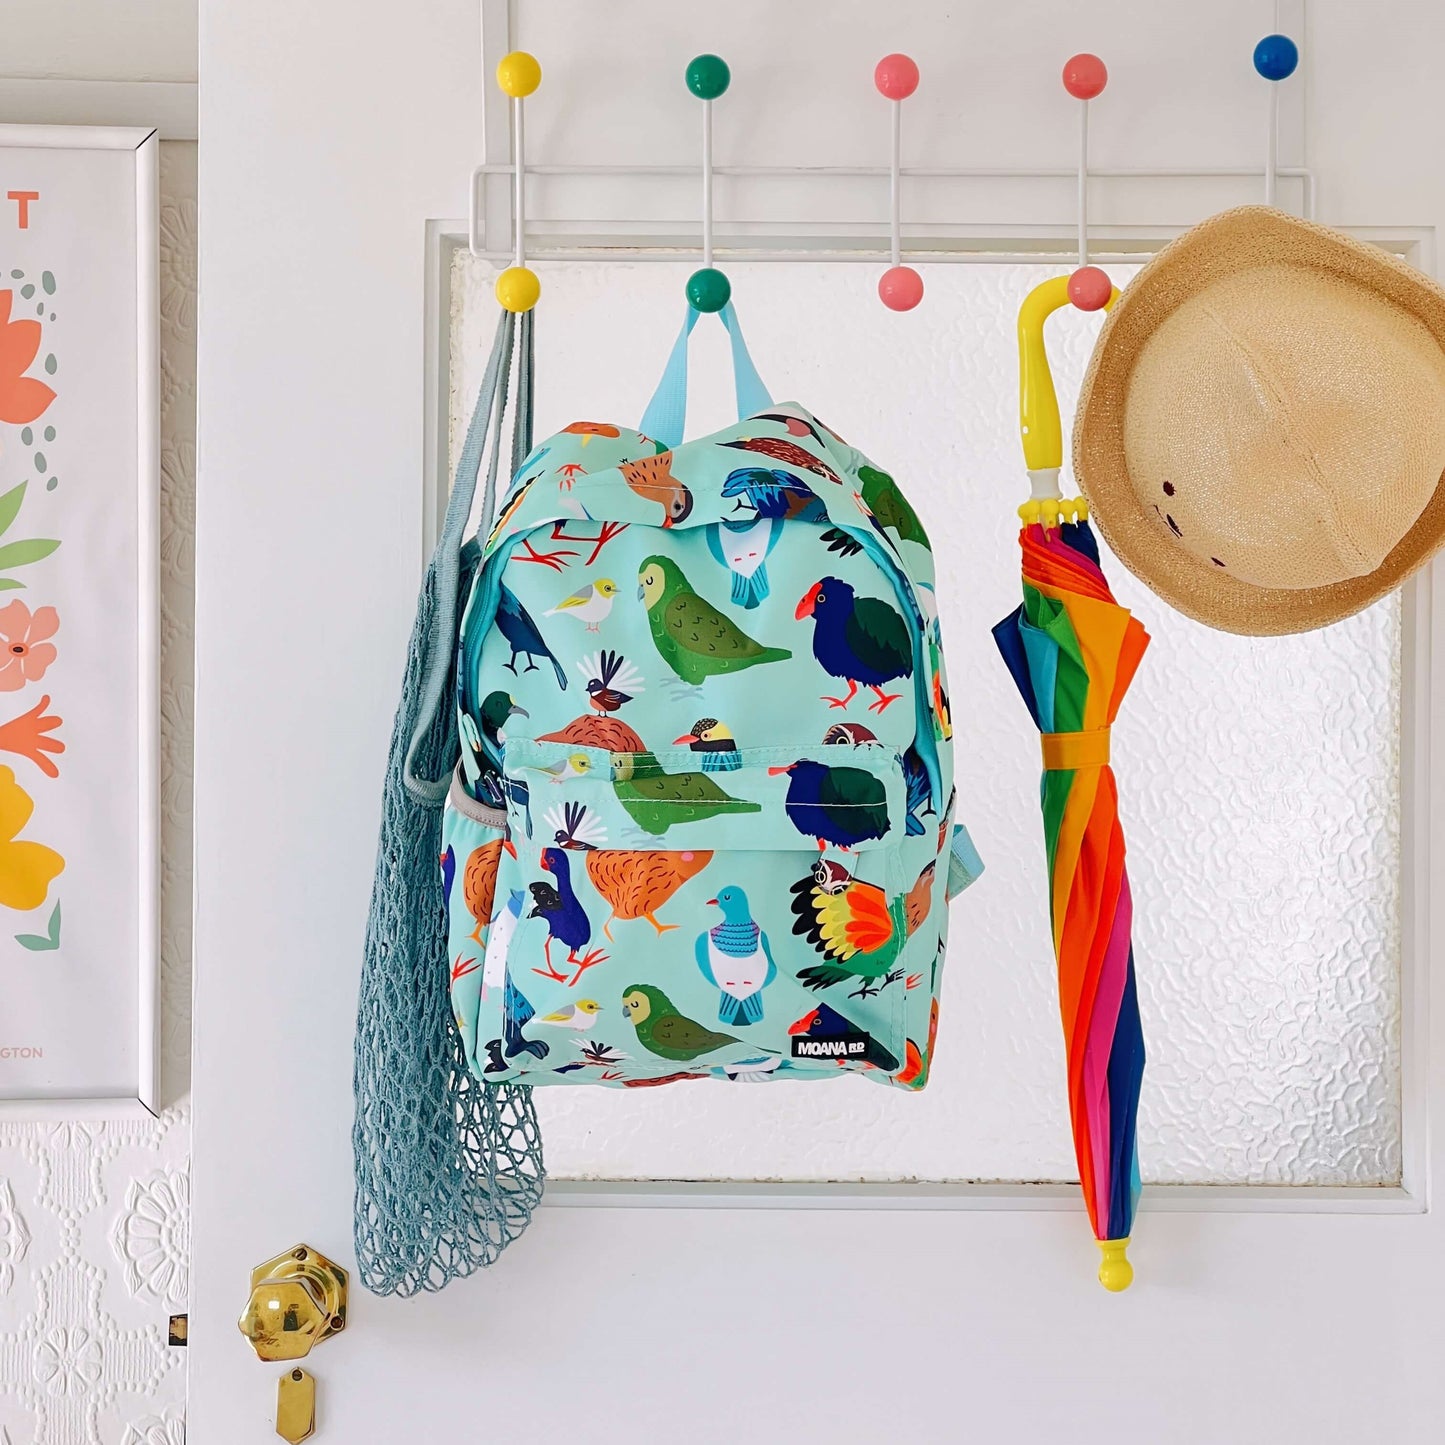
x=702, y=826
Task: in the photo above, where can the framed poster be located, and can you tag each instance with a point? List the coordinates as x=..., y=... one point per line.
x=79, y=471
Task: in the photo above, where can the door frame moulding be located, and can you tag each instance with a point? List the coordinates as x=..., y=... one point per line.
x=1421, y=733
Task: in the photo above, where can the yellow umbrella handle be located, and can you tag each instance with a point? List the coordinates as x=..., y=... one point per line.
x=1039, y=424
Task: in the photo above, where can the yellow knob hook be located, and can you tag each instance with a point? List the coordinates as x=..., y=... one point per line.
x=518, y=74
x=518, y=288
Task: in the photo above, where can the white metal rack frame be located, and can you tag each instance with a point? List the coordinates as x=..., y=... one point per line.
x=577, y=228
x=574, y=227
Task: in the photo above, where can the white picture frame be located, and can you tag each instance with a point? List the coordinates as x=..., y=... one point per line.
x=94, y=202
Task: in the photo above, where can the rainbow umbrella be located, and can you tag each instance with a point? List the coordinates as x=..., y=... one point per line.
x=1072, y=651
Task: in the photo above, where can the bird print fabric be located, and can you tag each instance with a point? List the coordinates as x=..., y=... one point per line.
x=706, y=778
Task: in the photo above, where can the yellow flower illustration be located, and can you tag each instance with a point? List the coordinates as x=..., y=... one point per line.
x=26, y=869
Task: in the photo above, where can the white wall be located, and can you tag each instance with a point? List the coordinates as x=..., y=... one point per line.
x=100, y=39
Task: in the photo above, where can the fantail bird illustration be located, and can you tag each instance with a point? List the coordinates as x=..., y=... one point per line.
x=612, y=681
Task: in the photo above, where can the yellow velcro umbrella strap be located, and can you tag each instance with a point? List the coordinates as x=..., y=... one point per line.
x=1071, y=752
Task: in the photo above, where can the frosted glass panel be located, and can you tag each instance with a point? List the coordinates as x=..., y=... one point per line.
x=1259, y=783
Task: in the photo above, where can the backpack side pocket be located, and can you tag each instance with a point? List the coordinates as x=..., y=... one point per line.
x=475, y=842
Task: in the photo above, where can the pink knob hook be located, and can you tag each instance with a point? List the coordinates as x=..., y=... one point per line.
x=900, y=288
x=1090, y=288
x=1085, y=76
x=896, y=76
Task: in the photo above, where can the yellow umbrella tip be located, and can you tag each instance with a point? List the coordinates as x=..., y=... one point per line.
x=1115, y=1271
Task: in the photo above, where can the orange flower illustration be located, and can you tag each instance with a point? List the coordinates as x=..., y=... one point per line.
x=29, y=735
x=22, y=398
x=25, y=648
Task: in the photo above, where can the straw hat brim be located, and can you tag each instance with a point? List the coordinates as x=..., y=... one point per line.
x=1231, y=241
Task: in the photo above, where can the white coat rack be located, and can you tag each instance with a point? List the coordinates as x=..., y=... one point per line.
x=901, y=285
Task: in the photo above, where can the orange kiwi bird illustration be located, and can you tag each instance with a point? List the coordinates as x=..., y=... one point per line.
x=479, y=881
x=610, y=733
x=634, y=884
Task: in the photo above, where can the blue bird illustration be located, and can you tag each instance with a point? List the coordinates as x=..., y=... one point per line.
x=515, y=623
x=861, y=640
x=842, y=806
x=742, y=547
x=736, y=957
x=449, y=873
x=915, y=779
x=774, y=494
x=566, y=919
x=517, y=1013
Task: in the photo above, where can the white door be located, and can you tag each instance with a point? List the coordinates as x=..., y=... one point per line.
x=332, y=135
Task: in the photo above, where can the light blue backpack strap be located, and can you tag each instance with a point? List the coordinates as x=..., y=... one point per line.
x=666, y=416
x=753, y=396
x=964, y=865
x=486, y=423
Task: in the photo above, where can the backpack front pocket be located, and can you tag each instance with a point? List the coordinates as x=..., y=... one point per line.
x=744, y=920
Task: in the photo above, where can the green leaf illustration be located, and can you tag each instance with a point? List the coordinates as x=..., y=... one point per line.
x=19, y=554
x=9, y=584
x=10, y=506
x=43, y=943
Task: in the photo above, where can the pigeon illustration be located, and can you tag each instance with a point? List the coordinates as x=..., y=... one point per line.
x=742, y=547
x=736, y=958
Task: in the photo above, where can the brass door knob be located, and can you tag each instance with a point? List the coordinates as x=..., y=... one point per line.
x=297, y=1300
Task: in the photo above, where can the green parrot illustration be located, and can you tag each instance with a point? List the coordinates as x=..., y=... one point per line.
x=890, y=506
x=663, y=1031
x=693, y=638
x=655, y=799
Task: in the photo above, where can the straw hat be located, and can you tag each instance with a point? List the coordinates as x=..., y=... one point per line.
x=1261, y=433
